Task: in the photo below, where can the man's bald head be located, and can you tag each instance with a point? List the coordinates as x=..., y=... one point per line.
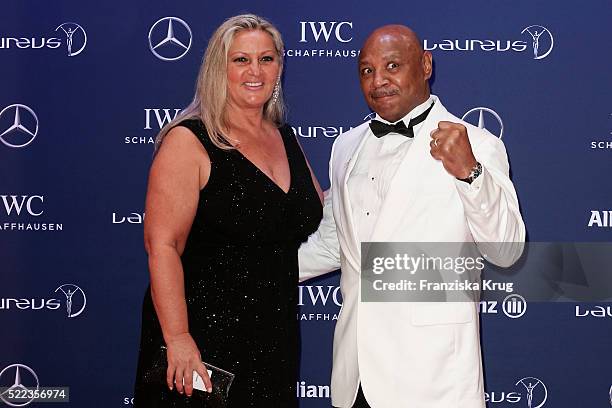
x=394, y=71
x=384, y=33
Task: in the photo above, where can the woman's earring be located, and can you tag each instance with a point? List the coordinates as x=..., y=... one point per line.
x=276, y=92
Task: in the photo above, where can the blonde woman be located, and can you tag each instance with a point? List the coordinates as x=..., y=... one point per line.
x=230, y=198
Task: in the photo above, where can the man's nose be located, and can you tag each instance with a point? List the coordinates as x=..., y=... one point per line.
x=380, y=78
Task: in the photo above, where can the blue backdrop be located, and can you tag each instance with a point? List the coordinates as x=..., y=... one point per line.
x=86, y=87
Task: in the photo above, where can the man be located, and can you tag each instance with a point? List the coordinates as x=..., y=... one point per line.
x=448, y=183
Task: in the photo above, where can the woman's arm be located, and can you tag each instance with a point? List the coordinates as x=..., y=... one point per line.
x=180, y=169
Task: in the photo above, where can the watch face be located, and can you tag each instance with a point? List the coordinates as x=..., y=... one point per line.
x=476, y=171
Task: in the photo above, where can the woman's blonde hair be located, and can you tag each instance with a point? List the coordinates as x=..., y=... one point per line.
x=210, y=100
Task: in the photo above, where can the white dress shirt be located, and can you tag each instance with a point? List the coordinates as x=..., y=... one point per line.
x=374, y=169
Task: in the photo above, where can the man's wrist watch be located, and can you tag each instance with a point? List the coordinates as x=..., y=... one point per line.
x=475, y=172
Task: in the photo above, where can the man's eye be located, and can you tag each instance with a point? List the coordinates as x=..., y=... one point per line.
x=392, y=65
x=366, y=71
x=240, y=59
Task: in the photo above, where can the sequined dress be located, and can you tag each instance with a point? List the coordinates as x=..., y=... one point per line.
x=241, y=274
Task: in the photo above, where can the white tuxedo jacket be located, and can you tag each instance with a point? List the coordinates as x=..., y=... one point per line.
x=414, y=355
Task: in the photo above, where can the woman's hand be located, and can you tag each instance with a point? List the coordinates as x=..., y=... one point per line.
x=183, y=359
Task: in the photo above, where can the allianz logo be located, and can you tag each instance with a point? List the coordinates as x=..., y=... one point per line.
x=320, y=131
x=312, y=391
x=319, y=295
x=601, y=218
x=593, y=311
x=131, y=218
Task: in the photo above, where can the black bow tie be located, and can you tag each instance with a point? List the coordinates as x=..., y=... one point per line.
x=381, y=129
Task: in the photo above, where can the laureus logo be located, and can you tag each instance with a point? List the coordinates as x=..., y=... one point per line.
x=537, y=393
x=76, y=38
x=75, y=299
x=542, y=40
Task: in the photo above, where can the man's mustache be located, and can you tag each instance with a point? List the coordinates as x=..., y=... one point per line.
x=382, y=92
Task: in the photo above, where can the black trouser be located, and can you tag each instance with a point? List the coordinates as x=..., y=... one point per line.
x=360, y=402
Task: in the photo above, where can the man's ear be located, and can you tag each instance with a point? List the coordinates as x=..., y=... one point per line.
x=427, y=64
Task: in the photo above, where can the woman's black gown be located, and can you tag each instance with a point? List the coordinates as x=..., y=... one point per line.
x=241, y=274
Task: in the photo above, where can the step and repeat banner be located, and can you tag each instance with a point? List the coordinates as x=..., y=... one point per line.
x=85, y=87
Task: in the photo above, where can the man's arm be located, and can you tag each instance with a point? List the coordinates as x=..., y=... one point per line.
x=491, y=206
x=490, y=202
x=321, y=253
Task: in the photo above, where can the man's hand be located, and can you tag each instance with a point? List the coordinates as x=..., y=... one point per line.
x=450, y=144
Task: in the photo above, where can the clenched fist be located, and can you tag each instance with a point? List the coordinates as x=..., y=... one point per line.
x=450, y=144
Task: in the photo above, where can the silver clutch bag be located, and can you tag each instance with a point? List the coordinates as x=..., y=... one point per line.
x=221, y=381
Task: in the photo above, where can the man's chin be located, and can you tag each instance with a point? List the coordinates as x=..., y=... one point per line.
x=385, y=108
x=387, y=115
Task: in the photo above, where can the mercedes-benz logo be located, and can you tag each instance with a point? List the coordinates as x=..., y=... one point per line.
x=536, y=31
x=532, y=385
x=172, y=41
x=21, y=125
x=15, y=380
x=69, y=290
x=499, y=131
x=70, y=29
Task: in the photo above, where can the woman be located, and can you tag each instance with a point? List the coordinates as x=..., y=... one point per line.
x=230, y=199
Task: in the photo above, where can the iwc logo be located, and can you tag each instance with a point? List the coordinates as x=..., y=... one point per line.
x=324, y=39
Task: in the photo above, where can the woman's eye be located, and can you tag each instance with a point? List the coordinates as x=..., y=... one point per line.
x=267, y=58
x=240, y=59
